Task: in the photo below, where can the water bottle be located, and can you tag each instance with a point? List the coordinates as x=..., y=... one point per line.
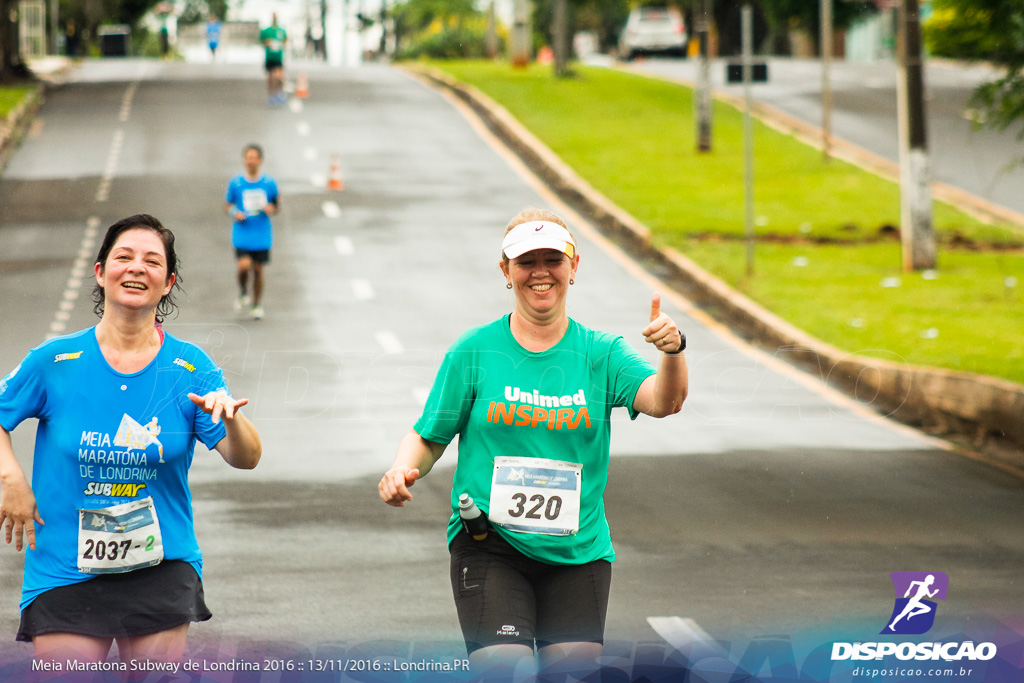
x=473, y=521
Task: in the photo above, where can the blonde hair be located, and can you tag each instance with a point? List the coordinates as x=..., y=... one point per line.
x=531, y=213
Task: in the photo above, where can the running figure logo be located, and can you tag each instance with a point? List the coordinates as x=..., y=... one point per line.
x=515, y=474
x=914, y=613
x=131, y=434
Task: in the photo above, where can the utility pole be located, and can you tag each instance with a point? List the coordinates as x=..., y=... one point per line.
x=51, y=44
x=382, y=46
x=520, y=43
x=344, y=33
x=323, y=27
x=826, y=79
x=492, y=33
x=702, y=95
x=560, y=29
x=747, y=18
x=916, y=230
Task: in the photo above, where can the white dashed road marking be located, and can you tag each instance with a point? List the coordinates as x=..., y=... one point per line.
x=362, y=289
x=331, y=209
x=682, y=634
x=126, y=102
x=113, y=156
x=389, y=342
x=343, y=245
x=77, y=279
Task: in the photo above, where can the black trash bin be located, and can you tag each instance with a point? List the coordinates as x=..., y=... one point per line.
x=115, y=40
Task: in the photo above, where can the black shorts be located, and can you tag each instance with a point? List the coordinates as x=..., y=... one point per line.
x=272, y=64
x=504, y=597
x=261, y=257
x=135, y=603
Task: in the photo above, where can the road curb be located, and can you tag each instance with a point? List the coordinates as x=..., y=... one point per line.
x=936, y=400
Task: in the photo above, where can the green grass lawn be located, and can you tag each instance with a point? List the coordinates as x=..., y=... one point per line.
x=632, y=138
x=961, y=316
x=10, y=96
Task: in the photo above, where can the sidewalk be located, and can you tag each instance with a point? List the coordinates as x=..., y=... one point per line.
x=51, y=68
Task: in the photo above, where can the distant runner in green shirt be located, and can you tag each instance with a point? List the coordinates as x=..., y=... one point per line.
x=274, y=38
x=530, y=397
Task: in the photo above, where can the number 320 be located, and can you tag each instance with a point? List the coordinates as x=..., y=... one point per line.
x=551, y=506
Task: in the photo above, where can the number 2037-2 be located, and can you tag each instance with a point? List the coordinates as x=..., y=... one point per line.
x=109, y=550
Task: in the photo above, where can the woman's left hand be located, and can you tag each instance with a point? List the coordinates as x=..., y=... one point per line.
x=217, y=404
x=662, y=332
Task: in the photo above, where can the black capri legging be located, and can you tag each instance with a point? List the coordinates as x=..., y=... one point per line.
x=504, y=597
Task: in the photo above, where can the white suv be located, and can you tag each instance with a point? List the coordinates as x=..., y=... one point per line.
x=653, y=29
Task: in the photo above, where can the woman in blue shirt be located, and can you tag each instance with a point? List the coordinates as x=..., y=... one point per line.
x=108, y=515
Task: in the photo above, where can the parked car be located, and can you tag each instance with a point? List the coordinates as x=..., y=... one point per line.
x=653, y=29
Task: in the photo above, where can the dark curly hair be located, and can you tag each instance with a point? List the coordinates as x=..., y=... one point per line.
x=145, y=222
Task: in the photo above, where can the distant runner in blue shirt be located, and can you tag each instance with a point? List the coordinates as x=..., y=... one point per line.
x=251, y=199
x=108, y=515
x=213, y=28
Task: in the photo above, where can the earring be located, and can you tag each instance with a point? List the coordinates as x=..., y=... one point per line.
x=571, y=281
x=508, y=285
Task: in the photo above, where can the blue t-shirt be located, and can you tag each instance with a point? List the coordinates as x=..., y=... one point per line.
x=84, y=407
x=213, y=33
x=254, y=233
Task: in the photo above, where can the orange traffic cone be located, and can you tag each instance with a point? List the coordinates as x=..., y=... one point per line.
x=335, y=182
x=302, y=86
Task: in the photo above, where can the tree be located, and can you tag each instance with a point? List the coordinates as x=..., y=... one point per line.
x=196, y=11
x=12, y=66
x=604, y=17
x=556, y=21
x=807, y=14
x=991, y=31
x=441, y=29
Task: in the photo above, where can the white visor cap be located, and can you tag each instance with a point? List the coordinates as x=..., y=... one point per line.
x=537, y=235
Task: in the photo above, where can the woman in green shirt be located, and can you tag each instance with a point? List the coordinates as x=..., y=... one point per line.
x=530, y=397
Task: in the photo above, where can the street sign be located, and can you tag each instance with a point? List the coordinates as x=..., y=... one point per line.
x=759, y=73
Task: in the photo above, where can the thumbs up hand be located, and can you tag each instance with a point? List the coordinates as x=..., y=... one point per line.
x=662, y=331
x=655, y=306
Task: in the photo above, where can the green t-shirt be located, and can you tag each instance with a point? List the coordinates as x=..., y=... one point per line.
x=275, y=48
x=502, y=400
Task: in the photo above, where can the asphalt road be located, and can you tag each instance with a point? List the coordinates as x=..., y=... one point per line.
x=984, y=162
x=770, y=508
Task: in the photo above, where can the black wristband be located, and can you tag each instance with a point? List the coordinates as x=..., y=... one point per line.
x=682, y=345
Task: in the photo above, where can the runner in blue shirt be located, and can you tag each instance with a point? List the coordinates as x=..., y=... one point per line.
x=108, y=515
x=213, y=28
x=251, y=199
